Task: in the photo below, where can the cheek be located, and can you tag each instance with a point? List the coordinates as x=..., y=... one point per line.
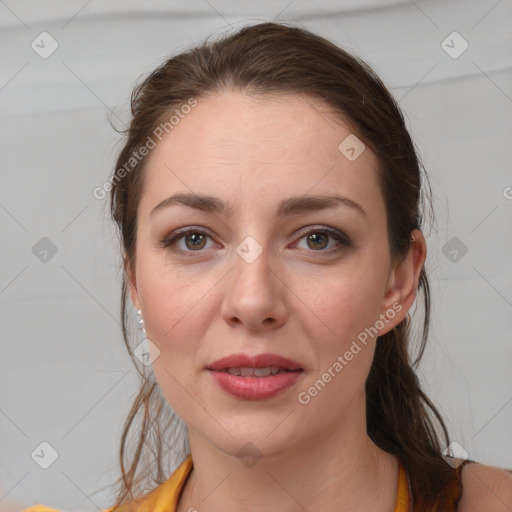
x=337, y=313
x=171, y=295
x=337, y=306
x=336, y=320
x=177, y=311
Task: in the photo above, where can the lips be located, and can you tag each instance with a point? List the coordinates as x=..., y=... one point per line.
x=258, y=377
x=261, y=361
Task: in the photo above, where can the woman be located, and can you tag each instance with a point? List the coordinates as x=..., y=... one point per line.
x=269, y=197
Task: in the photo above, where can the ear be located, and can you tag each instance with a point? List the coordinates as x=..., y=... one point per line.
x=132, y=282
x=403, y=283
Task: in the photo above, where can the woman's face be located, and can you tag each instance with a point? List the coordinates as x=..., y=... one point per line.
x=264, y=270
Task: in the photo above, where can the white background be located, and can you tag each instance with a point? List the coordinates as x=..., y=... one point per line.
x=64, y=375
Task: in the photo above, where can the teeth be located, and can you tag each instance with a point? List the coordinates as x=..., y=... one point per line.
x=247, y=372
x=255, y=372
x=262, y=372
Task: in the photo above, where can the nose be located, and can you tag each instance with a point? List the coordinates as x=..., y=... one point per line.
x=254, y=295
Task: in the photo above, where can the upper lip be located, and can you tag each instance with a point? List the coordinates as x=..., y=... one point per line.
x=258, y=361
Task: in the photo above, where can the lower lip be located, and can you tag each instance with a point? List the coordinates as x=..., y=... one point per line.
x=255, y=388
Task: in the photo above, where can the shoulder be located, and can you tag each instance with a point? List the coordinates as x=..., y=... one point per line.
x=485, y=488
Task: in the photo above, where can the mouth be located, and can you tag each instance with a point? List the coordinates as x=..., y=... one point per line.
x=261, y=365
x=252, y=387
x=258, y=377
x=257, y=372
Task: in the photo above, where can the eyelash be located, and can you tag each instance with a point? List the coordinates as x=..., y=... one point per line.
x=170, y=240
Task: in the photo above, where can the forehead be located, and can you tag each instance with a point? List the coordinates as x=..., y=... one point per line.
x=265, y=146
x=234, y=123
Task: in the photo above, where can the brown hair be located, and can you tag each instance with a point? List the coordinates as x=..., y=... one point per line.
x=274, y=58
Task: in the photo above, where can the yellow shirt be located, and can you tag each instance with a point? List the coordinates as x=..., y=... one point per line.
x=165, y=497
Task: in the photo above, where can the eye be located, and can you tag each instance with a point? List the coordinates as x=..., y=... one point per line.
x=193, y=240
x=318, y=239
x=186, y=240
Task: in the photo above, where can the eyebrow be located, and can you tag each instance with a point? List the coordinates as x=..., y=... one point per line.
x=290, y=206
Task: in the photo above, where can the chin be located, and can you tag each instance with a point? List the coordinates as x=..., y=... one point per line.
x=250, y=441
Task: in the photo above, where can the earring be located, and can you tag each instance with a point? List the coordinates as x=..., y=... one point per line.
x=141, y=321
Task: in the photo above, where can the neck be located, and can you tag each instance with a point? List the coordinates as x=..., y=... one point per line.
x=341, y=469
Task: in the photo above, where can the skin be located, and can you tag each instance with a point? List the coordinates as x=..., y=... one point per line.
x=297, y=299
x=486, y=488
